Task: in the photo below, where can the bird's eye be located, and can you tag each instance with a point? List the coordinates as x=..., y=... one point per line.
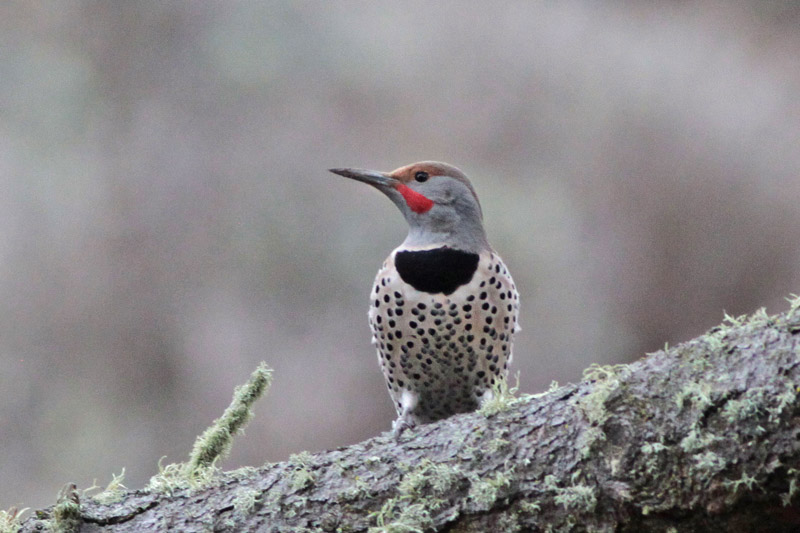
x=421, y=176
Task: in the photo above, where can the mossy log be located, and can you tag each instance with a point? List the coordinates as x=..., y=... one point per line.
x=704, y=436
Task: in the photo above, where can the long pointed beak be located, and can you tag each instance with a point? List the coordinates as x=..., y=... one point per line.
x=372, y=177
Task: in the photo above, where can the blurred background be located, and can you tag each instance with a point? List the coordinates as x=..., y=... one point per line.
x=167, y=221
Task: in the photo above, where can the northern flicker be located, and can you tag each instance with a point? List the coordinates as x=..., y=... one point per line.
x=444, y=308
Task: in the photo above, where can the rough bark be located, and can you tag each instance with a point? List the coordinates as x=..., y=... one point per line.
x=699, y=437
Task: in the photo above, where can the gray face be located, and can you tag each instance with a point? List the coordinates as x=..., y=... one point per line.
x=437, y=201
x=454, y=218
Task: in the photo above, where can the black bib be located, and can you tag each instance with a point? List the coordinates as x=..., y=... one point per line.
x=441, y=270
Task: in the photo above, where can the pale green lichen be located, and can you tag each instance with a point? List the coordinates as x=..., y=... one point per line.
x=67, y=511
x=734, y=321
x=484, y=492
x=245, y=501
x=785, y=399
x=710, y=461
x=398, y=517
x=11, y=520
x=755, y=401
x=746, y=480
x=759, y=317
x=359, y=489
x=216, y=441
x=437, y=478
x=697, y=394
x=296, y=506
x=577, y=497
x=418, y=493
x=176, y=476
x=786, y=499
x=502, y=398
x=697, y=439
x=588, y=438
x=794, y=487
x=714, y=341
x=508, y=523
x=495, y=445
x=302, y=476
x=530, y=507
x=114, y=491
x=653, y=448
x=554, y=386
x=794, y=303
x=749, y=405
x=575, y=476
x=272, y=498
x=341, y=467
x=607, y=379
x=597, y=373
x=245, y=472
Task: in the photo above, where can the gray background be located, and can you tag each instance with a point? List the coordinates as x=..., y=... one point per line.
x=167, y=222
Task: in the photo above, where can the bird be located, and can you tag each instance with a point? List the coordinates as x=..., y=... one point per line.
x=444, y=307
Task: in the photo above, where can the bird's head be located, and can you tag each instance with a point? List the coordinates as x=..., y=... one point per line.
x=436, y=199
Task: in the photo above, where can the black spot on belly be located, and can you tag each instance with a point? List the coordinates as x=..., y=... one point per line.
x=441, y=270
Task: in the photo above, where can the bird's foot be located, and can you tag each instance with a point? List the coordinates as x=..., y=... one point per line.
x=400, y=425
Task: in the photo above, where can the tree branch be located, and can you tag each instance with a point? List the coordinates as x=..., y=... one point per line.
x=699, y=437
